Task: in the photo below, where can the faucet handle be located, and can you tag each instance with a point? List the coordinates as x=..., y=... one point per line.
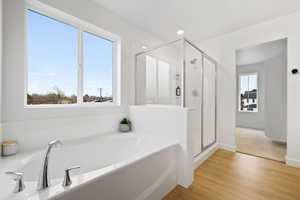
x=72, y=168
x=67, y=179
x=18, y=177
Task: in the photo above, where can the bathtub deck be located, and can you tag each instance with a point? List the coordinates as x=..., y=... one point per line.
x=234, y=176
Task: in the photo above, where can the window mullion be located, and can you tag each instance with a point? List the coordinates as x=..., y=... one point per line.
x=80, y=67
x=248, y=90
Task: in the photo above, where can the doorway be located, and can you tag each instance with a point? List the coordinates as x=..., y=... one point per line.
x=262, y=100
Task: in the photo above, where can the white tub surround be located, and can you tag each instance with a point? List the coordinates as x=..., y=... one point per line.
x=170, y=122
x=154, y=158
x=35, y=134
x=106, y=161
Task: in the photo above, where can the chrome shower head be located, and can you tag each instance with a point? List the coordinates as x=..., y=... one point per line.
x=193, y=61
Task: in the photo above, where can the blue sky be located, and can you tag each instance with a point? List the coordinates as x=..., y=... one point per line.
x=52, y=58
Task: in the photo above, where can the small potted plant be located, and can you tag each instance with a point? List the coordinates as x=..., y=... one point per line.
x=125, y=125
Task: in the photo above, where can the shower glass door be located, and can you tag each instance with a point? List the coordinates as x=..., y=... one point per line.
x=208, y=103
x=180, y=74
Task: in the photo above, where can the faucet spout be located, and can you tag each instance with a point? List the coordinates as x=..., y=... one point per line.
x=44, y=181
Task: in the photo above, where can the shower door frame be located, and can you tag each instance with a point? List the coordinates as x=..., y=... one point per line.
x=203, y=148
x=183, y=79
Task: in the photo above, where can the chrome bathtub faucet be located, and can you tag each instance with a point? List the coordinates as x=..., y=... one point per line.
x=44, y=181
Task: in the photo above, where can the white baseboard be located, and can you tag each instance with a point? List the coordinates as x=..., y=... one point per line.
x=292, y=162
x=227, y=147
x=198, y=160
x=277, y=139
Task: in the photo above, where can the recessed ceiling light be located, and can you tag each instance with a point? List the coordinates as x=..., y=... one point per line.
x=144, y=47
x=180, y=32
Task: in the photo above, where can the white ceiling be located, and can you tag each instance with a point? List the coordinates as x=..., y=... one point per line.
x=201, y=19
x=261, y=52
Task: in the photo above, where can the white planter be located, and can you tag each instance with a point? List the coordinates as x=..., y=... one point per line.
x=124, y=128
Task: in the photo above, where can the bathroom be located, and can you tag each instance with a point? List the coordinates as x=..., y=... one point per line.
x=141, y=127
x=70, y=133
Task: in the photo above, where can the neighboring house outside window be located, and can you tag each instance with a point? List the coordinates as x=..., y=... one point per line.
x=248, y=93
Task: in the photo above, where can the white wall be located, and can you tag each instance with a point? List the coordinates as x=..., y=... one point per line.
x=268, y=60
x=271, y=115
x=35, y=127
x=260, y=53
x=275, y=112
x=223, y=48
x=254, y=120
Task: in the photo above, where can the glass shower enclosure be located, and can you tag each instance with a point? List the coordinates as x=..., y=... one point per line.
x=179, y=73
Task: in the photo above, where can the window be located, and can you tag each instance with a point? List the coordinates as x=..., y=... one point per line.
x=98, y=71
x=69, y=62
x=51, y=61
x=248, y=93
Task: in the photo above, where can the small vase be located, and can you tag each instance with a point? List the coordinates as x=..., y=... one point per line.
x=124, y=128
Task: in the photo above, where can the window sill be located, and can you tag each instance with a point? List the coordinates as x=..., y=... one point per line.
x=248, y=111
x=84, y=105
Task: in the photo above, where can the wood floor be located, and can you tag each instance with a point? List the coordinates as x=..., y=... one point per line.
x=235, y=176
x=255, y=142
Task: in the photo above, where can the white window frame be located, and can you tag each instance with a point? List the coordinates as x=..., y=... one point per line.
x=82, y=26
x=239, y=91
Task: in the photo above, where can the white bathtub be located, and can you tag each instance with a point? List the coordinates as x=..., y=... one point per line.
x=113, y=166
